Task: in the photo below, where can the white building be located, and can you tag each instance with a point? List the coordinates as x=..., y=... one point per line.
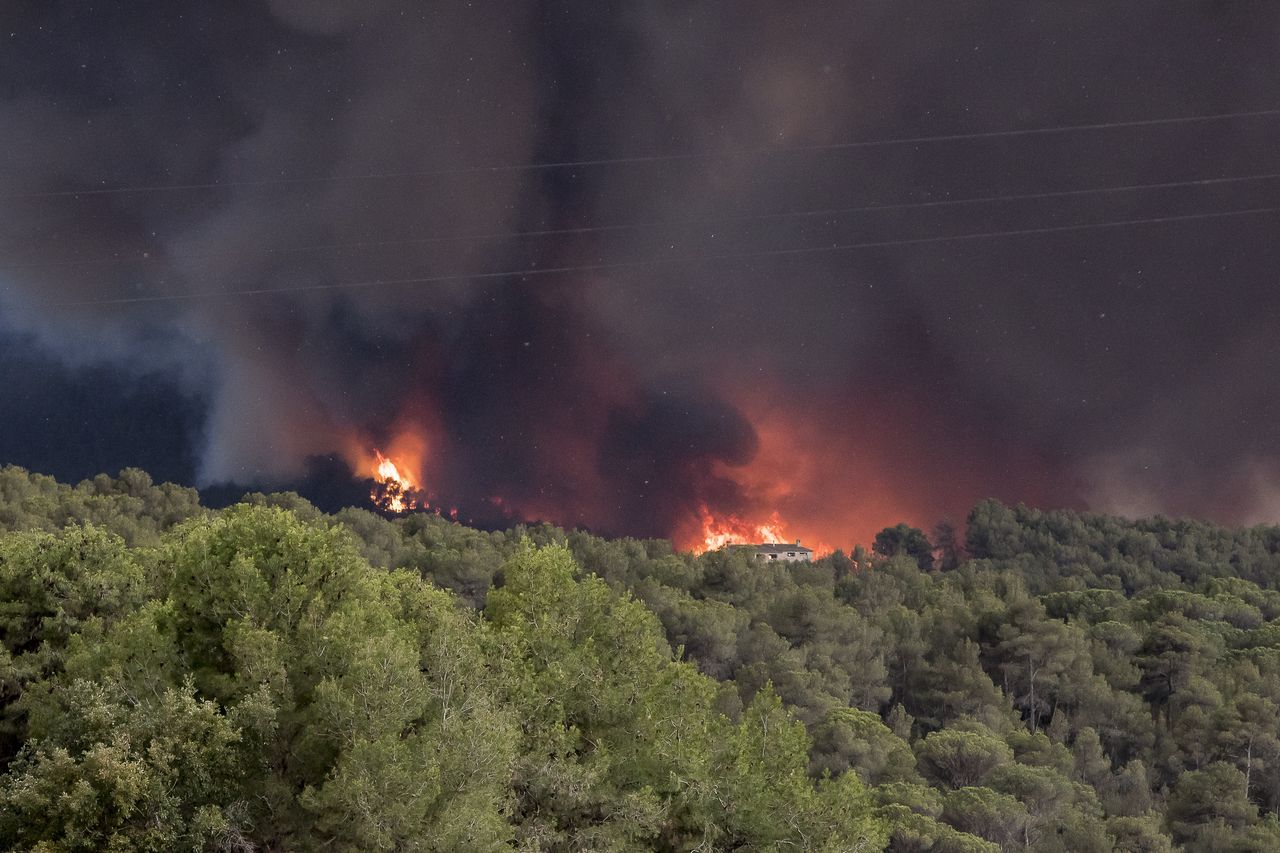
x=782, y=551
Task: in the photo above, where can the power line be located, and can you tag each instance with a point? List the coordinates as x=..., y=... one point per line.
x=640, y=226
x=697, y=259
x=649, y=158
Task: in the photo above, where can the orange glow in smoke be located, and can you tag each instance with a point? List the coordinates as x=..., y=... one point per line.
x=819, y=477
x=829, y=471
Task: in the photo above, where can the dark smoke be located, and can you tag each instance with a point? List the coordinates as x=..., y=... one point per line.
x=1128, y=369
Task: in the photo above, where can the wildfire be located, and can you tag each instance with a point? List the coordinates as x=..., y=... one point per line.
x=397, y=491
x=396, y=467
x=718, y=533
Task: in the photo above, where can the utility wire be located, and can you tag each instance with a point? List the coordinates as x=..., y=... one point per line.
x=653, y=262
x=650, y=158
x=643, y=226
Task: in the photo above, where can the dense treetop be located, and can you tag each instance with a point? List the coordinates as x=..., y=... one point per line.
x=268, y=677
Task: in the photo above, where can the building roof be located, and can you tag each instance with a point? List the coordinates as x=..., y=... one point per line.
x=780, y=547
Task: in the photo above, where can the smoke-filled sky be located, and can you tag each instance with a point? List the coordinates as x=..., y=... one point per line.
x=252, y=245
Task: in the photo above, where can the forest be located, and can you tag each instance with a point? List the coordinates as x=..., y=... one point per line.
x=270, y=677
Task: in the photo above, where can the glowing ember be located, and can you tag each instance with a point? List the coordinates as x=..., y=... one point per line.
x=397, y=490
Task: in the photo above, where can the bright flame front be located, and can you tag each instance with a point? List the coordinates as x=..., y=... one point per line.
x=730, y=530
x=397, y=490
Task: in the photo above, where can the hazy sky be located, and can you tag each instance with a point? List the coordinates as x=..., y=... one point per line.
x=163, y=164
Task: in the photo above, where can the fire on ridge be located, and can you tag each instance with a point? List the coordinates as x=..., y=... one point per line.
x=729, y=530
x=396, y=491
x=397, y=471
x=718, y=532
x=782, y=491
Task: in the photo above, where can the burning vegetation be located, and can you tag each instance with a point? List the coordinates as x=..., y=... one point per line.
x=397, y=472
x=396, y=490
x=753, y=499
x=703, y=474
x=731, y=530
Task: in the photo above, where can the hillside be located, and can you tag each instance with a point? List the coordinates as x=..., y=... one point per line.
x=268, y=677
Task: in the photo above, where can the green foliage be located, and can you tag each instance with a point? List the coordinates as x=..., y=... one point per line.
x=272, y=688
x=775, y=805
x=54, y=589
x=251, y=682
x=1214, y=796
x=998, y=818
x=857, y=740
x=1139, y=834
x=155, y=775
x=130, y=505
x=621, y=746
x=904, y=541
x=268, y=677
x=964, y=756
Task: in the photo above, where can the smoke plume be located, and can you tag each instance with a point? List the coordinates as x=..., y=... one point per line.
x=189, y=194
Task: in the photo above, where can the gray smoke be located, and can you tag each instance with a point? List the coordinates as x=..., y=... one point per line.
x=1126, y=368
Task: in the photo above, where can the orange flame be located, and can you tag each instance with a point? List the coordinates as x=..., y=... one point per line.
x=396, y=469
x=720, y=532
x=396, y=491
